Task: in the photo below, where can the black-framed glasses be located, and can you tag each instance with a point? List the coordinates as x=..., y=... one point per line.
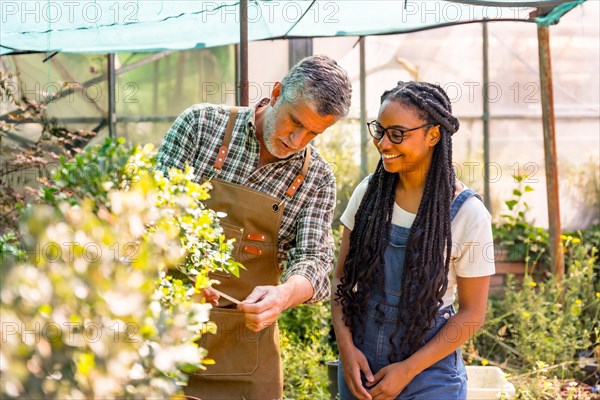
x=395, y=134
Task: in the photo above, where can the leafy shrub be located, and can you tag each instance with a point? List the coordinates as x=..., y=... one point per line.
x=335, y=147
x=538, y=385
x=93, y=312
x=10, y=248
x=515, y=234
x=589, y=239
x=22, y=158
x=305, y=347
x=541, y=326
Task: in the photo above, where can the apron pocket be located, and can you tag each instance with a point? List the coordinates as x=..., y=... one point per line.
x=233, y=347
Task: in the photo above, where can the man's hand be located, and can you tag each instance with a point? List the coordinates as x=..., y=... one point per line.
x=210, y=296
x=263, y=306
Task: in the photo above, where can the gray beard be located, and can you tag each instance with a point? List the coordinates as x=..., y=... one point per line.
x=269, y=134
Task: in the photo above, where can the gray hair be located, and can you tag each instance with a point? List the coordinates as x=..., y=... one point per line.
x=320, y=81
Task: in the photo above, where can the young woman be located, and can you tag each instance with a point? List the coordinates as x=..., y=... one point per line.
x=414, y=236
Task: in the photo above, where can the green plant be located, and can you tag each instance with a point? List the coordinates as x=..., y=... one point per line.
x=93, y=174
x=335, y=147
x=589, y=239
x=93, y=312
x=582, y=182
x=305, y=347
x=23, y=159
x=515, y=234
x=10, y=248
x=112, y=165
x=545, y=322
x=537, y=385
x=306, y=331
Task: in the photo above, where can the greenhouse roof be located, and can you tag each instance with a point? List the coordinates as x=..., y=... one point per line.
x=151, y=25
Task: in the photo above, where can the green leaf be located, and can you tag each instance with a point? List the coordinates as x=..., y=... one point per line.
x=511, y=204
x=528, y=189
x=517, y=192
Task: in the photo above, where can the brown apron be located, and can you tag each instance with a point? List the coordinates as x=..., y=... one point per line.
x=247, y=364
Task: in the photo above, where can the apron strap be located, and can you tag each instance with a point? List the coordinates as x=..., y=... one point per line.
x=295, y=185
x=224, y=149
x=222, y=155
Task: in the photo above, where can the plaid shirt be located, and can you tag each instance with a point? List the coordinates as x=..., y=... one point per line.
x=305, y=239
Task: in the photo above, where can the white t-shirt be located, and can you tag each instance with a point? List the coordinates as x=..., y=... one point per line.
x=472, y=243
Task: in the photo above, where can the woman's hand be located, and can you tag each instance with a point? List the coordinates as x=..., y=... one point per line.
x=389, y=381
x=353, y=362
x=472, y=299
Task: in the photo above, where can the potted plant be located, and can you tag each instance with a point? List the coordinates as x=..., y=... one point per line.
x=520, y=247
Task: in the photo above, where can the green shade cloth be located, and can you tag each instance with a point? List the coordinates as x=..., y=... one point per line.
x=556, y=14
x=106, y=26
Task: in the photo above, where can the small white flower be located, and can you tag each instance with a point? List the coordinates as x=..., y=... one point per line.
x=80, y=289
x=201, y=312
x=136, y=372
x=105, y=387
x=136, y=226
x=155, y=307
x=124, y=304
x=164, y=360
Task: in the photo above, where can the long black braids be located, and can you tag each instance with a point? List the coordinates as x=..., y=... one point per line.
x=425, y=276
x=372, y=230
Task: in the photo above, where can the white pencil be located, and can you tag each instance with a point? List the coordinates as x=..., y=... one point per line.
x=226, y=296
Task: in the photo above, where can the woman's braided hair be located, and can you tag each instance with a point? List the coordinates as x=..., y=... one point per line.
x=425, y=276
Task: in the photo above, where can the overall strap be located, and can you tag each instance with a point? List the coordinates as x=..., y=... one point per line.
x=295, y=185
x=460, y=200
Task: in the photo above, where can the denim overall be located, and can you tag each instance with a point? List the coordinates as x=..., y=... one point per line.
x=444, y=380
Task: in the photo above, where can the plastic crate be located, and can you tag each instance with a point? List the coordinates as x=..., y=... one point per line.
x=488, y=383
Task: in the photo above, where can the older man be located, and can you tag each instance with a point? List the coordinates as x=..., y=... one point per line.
x=279, y=196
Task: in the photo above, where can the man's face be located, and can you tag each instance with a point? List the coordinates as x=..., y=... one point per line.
x=289, y=127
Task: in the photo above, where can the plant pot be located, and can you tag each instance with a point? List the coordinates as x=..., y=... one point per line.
x=488, y=383
x=504, y=266
x=332, y=370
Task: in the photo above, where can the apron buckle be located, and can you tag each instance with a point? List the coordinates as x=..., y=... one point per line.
x=212, y=174
x=277, y=206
